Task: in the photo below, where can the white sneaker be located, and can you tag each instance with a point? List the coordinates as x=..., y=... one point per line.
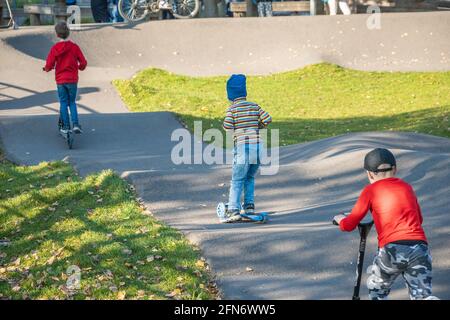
x=63, y=131
x=77, y=129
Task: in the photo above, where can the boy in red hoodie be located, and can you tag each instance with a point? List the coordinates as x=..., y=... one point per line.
x=403, y=248
x=66, y=58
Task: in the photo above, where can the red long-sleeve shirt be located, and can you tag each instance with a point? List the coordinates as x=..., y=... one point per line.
x=68, y=58
x=395, y=211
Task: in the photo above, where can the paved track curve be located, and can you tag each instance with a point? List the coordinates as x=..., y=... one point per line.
x=299, y=255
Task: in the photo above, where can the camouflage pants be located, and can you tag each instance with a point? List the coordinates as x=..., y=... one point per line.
x=265, y=9
x=412, y=262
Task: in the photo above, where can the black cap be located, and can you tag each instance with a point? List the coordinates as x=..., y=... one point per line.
x=377, y=157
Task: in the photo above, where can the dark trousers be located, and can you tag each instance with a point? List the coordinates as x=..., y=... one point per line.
x=100, y=10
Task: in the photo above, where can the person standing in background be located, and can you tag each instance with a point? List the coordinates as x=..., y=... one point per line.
x=113, y=11
x=100, y=11
x=343, y=5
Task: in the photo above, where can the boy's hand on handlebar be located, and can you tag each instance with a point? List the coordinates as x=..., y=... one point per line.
x=337, y=219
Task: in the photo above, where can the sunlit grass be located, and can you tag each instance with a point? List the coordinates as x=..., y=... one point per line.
x=51, y=219
x=315, y=102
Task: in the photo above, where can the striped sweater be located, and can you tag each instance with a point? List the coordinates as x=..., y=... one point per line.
x=245, y=118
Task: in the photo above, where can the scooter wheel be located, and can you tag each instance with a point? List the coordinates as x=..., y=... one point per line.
x=69, y=140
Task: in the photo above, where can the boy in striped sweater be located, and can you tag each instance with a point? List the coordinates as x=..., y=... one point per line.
x=245, y=119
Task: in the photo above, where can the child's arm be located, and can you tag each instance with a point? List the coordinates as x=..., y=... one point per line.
x=228, y=123
x=82, y=62
x=264, y=117
x=50, y=62
x=420, y=211
x=358, y=213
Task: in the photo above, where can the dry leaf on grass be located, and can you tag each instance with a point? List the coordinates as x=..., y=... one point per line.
x=174, y=293
x=121, y=295
x=200, y=264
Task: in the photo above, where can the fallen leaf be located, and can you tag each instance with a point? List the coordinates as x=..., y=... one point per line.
x=200, y=264
x=16, y=288
x=127, y=251
x=174, y=293
x=140, y=293
x=121, y=295
x=113, y=288
x=150, y=258
x=51, y=260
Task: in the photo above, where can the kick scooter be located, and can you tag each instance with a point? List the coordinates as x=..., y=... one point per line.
x=257, y=218
x=364, y=229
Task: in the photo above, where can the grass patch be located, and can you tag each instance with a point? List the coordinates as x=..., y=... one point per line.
x=51, y=220
x=315, y=102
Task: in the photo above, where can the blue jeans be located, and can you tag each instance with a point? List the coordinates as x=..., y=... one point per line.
x=246, y=161
x=113, y=11
x=67, y=94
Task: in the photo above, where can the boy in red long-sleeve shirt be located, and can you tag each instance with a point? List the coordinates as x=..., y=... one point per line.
x=66, y=58
x=402, y=243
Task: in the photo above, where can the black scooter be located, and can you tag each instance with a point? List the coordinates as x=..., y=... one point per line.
x=364, y=229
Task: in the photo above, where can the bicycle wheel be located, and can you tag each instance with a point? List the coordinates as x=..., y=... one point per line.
x=133, y=10
x=184, y=9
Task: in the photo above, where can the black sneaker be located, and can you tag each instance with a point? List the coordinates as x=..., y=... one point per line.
x=249, y=208
x=77, y=129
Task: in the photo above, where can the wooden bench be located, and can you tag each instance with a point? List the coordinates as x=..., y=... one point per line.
x=36, y=10
x=239, y=9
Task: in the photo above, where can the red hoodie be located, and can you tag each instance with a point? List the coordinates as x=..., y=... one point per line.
x=394, y=208
x=68, y=58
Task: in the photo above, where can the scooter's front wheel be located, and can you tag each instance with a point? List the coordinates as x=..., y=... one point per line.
x=133, y=10
x=185, y=9
x=70, y=140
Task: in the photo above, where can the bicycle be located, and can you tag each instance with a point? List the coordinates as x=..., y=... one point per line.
x=136, y=10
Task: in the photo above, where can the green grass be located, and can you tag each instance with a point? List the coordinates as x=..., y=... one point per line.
x=20, y=3
x=51, y=219
x=315, y=102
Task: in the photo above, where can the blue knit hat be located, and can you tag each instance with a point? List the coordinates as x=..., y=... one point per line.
x=236, y=87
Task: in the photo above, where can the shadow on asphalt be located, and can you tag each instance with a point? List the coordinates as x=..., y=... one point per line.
x=31, y=99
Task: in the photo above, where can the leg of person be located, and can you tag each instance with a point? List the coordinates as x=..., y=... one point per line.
x=240, y=168
x=72, y=89
x=269, y=11
x=333, y=7
x=119, y=18
x=100, y=10
x=249, y=183
x=63, y=96
x=418, y=274
x=260, y=7
x=343, y=5
x=385, y=269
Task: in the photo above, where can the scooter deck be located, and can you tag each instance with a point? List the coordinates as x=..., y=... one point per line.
x=261, y=217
